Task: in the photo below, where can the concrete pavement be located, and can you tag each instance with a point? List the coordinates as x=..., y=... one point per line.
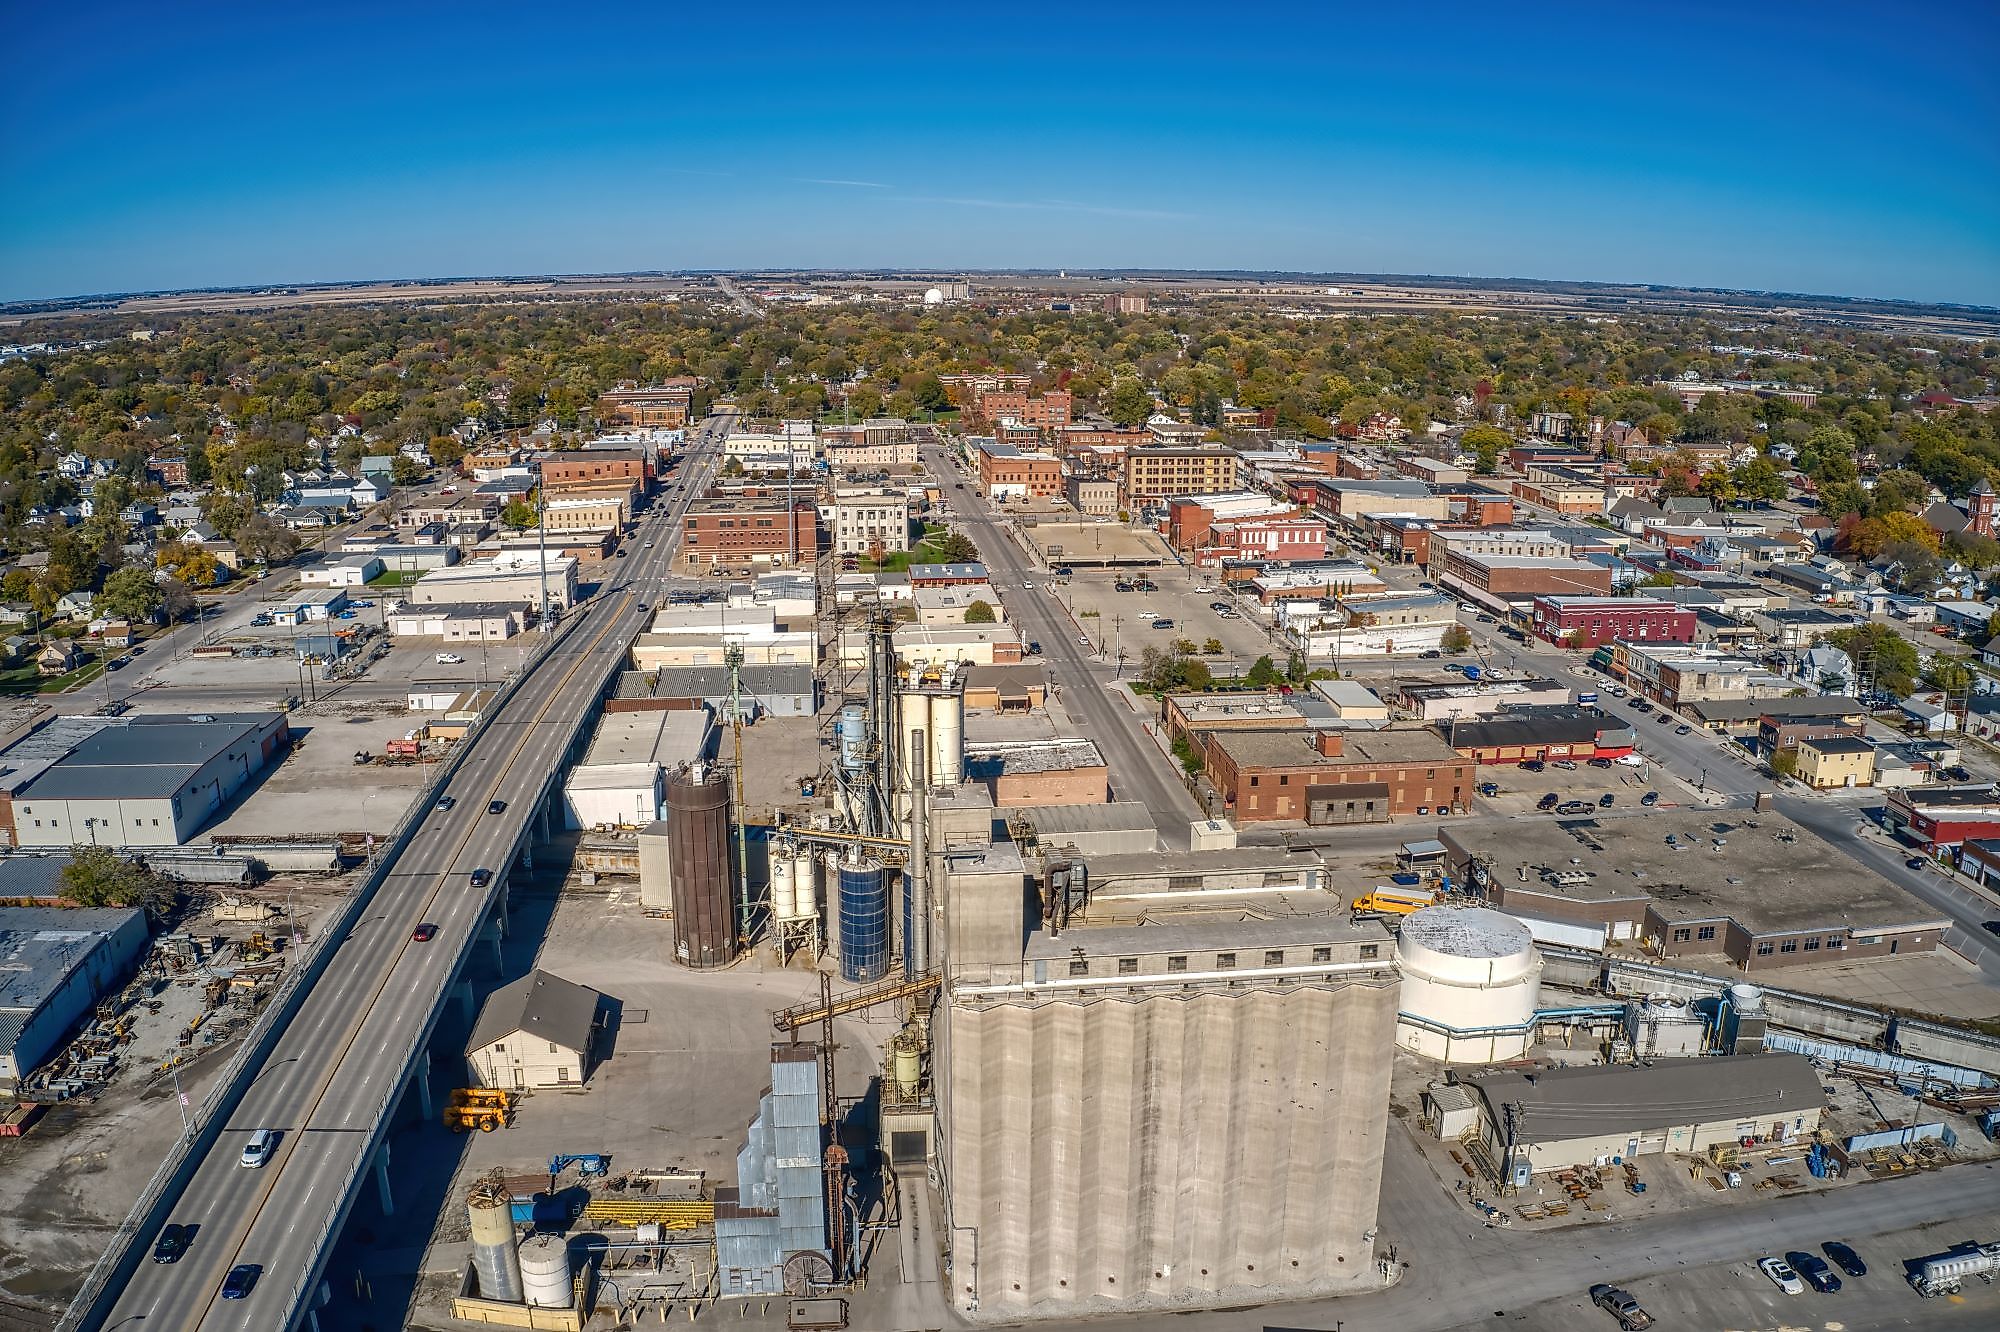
x=337, y=1068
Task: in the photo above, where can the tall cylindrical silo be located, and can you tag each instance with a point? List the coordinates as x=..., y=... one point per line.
x=494, y=1259
x=805, y=884
x=947, y=767
x=784, y=883
x=545, y=1271
x=698, y=871
x=864, y=919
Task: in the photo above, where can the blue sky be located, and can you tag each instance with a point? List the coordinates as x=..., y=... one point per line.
x=1837, y=148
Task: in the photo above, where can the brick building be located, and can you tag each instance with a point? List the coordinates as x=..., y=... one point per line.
x=1334, y=777
x=1588, y=621
x=1154, y=474
x=592, y=467
x=1007, y=473
x=741, y=535
x=665, y=406
x=1047, y=411
x=1496, y=580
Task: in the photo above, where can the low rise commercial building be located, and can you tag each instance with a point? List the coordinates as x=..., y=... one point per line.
x=1836, y=761
x=1383, y=625
x=515, y=577
x=143, y=779
x=469, y=622
x=700, y=636
x=1503, y=582
x=1458, y=699
x=1750, y=889
x=1069, y=771
x=1330, y=777
x=565, y=515
x=1539, y=734
x=1585, y=622
x=1094, y=496
x=1940, y=818
x=1679, y=676
x=59, y=961
x=349, y=571
x=1008, y=473
x=781, y=691
x=622, y=778
x=1542, y=1120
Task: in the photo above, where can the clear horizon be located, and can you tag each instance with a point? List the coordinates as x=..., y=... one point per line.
x=1836, y=149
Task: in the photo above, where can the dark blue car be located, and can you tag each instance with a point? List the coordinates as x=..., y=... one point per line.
x=241, y=1279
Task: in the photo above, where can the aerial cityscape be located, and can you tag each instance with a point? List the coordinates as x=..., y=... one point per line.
x=838, y=677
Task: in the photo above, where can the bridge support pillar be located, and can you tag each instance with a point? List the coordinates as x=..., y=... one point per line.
x=527, y=854
x=463, y=993
x=420, y=1075
x=382, y=1181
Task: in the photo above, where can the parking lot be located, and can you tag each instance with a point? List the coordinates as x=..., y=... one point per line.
x=1522, y=789
x=1123, y=620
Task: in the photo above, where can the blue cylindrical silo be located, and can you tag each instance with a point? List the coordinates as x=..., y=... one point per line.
x=864, y=921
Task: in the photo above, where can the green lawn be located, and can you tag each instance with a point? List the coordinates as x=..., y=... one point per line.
x=28, y=679
x=396, y=578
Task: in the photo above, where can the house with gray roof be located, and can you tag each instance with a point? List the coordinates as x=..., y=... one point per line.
x=538, y=1031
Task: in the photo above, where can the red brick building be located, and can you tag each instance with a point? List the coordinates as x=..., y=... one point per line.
x=1332, y=777
x=1049, y=411
x=1588, y=621
x=738, y=534
x=593, y=465
x=1004, y=473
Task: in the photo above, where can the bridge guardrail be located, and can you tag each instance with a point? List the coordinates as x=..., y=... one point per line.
x=125, y=1250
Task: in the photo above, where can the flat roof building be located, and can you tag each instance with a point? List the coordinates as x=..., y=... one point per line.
x=137, y=780
x=55, y=963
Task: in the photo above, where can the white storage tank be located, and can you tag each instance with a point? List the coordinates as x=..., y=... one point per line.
x=805, y=885
x=784, y=893
x=545, y=1271
x=947, y=740
x=1472, y=980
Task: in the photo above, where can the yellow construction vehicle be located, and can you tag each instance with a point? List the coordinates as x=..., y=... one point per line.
x=481, y=1108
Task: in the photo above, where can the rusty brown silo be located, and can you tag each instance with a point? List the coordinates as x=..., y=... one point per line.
x=699, y=874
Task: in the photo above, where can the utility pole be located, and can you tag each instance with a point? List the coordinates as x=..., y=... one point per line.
x=732, y=656
x=542, y=540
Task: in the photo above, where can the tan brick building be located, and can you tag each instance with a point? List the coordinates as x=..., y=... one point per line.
x=1331, y=777
x=1154, y=474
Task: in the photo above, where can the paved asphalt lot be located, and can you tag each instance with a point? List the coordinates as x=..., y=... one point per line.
x=325, y=1084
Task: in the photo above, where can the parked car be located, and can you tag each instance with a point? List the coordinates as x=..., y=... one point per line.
x=257, y=1151
x=1782, y=1276
x=1664, y=718
x=1485, y=619
x=1620, y=1305
x=1034, y=648
x=1915, y=862
x=450, y=659
x=1650, y=799
x=424, y=933
x=1683, y=729
x=241, y=1279
x=1574, y=807
x=1489, y=789
x=1430, y=654
x=1600, y=762
x=173, y=1242
x=1549, y=801
x=1814, y=1269
x=1567, y=765
x=1845, y=1258
x=1532, y=765
x=1218, y=605
x=1163, y=624
x=1607, y=800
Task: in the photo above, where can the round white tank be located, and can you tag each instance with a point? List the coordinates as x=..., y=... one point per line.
x=1746, y=998
x=545, y=1271
x=784, y=893
x=805, y=885
x=947, y=740
x=1472, y=979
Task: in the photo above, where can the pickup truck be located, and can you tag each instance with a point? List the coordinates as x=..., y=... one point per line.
x=1620, y=1305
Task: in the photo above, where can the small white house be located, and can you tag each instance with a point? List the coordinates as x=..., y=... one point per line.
x=539, y=1031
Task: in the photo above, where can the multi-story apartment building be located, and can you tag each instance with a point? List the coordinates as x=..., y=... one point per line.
x=1047, y=411
x=1155, y=474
